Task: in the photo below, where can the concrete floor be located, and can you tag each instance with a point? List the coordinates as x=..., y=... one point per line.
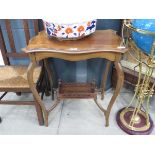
x=70, y=117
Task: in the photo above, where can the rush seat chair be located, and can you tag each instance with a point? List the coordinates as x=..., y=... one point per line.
x=14, y=78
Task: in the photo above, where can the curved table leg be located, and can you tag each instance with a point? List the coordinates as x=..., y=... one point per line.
x=104, y=79
x=36, y=94
x=120, y=81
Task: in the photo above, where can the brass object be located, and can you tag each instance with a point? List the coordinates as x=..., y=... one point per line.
x=143, y=90
x=135, y=120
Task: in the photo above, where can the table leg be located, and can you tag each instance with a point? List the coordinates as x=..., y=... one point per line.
x=36, y=95
x=120, y=81
x=104, y=79
x=119, y=85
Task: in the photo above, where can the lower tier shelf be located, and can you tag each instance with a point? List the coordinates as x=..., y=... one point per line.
x=77, y=90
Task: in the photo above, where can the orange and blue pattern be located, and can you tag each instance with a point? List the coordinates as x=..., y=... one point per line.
x=73, y=31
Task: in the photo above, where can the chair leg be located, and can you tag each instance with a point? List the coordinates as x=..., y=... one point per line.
x=52, y=95
x=39, y=114
x=18, y=93
x=49, y=77
x=0, y=119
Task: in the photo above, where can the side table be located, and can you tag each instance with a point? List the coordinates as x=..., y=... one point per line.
x=102, y=44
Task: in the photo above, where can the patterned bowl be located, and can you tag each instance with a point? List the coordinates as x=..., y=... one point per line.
x=70, y=31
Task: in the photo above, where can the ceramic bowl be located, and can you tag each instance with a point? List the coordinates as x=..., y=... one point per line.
x=70, y=31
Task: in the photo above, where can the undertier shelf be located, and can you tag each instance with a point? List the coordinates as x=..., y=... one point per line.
x=77, y=90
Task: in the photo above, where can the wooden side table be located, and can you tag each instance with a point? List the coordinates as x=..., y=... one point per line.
x=101, y=44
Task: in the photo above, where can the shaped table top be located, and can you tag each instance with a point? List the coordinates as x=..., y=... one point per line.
x=101, y=40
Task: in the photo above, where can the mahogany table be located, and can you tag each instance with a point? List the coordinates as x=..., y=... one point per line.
x=102, y=44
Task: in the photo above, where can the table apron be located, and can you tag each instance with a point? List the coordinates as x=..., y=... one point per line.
x=112, y=56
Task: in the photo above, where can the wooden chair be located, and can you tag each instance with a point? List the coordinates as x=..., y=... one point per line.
x=14, y=78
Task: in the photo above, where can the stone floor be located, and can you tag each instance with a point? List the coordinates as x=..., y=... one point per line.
x=78, y=117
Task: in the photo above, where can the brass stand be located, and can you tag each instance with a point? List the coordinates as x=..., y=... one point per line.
x=136, y=120
x=134, y=126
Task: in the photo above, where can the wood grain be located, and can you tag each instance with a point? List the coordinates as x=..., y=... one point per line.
x=100, y=41
x=101, y=44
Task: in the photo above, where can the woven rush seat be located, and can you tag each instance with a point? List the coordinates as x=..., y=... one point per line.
x=16, y=77
x=13, y=78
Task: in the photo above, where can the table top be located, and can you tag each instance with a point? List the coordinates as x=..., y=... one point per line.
x=101, y=40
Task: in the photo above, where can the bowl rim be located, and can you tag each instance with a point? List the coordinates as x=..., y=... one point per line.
x=74, y=23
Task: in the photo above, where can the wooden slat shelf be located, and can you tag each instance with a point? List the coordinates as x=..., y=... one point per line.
x=77, y=90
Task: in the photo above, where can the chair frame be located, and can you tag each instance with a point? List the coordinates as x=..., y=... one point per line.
x=13, y=54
